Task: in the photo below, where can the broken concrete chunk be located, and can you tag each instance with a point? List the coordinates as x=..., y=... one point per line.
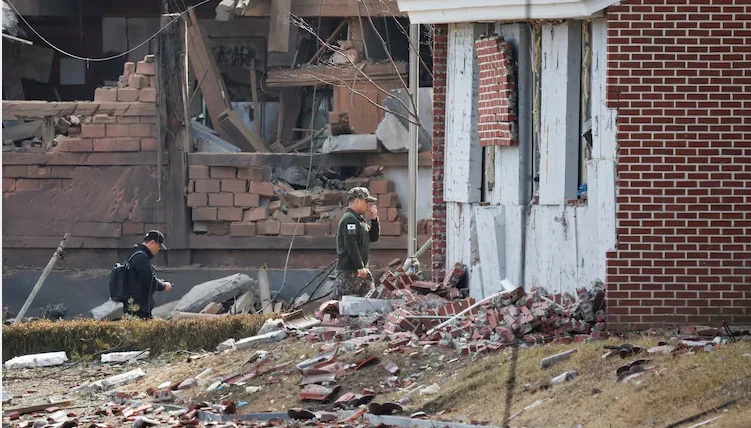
x=164, y=311
x=48, y=359
x=118, y=380
x=431, y=390
x=226, y=345
x=350, y=143
x=108, y=310
x=187, y=384
x=270, y=326
x=248, y=342
x=393, y=134
x=7, y=399
x=564, y=377
x=356, y=306
x=549, y=361
x=244, y=304
x=123, y=357
x=219, y=290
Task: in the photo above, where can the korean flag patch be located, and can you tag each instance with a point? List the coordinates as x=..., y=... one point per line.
x=352, y=229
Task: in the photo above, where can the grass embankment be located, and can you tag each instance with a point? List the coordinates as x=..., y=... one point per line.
x=679, y=387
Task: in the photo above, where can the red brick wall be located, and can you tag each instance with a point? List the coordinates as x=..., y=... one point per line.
x=676, y=74
x=438, y=247
x=497, y=104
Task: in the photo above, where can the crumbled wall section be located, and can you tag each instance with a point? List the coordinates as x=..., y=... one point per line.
x=114, y=131
x=440, y=55
x=232, y=201
x=98, y=182
x=676, y=73
x=497, y=103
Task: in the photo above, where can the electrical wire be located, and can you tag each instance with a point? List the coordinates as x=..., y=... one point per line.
x=307, y=183
x=109, y=58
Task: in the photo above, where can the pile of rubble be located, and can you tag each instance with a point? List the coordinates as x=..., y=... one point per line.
x=407, y=310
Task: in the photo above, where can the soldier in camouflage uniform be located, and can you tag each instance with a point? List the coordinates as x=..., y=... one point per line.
x=353, y=244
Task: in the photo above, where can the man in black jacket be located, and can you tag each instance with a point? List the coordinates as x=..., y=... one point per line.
x=142, y=282
x=353, y=240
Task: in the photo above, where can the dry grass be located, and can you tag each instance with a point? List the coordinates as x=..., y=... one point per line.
x=680, y=387
x=86, y=337
x=476, y=390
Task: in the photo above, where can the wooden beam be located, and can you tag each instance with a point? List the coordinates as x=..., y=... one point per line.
x=242, y=160
x=239, y=134
x=172, y=121
x=334, y=75
x=80, y=159
x=42, y=109
x=329, y=8
x=203, y=62
x=278, y=40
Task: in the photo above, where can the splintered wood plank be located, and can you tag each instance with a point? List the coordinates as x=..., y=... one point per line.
x=334, y=75
x=204, y=64
x=279, y=31
x=239, y=134
x=330, y=8
x=42, y=109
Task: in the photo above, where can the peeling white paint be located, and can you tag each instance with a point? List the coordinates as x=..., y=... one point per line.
x=559, y=153
x=463, y=169
x=566, y=245
x=491, y=243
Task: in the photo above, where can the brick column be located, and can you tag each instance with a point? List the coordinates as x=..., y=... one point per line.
x=438, y=247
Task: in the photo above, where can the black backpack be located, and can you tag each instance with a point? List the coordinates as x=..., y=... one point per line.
x=119, y=287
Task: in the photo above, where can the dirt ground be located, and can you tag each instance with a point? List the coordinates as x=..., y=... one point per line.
x=471, y=391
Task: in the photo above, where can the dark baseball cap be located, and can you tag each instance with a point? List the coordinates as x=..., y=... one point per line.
x=155, y=235
x=360, y=193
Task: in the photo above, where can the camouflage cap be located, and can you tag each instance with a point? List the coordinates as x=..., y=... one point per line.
x=360, y=193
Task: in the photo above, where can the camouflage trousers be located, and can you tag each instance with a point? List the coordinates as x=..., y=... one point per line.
x=347, y=283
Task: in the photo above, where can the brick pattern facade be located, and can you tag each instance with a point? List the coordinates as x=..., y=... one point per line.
x=676, y=74
x=497, y=91
x=241, y=202
x=438, y=246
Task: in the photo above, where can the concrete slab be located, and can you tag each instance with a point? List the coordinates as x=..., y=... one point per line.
x=108, y=310
x=248, y=342
x=218, y=290
x=351, y=143
x=48, y=359
x=124, y=357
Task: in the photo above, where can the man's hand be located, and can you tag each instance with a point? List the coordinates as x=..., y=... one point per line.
x=167, y=286
x=362, y=273
x=373, y=210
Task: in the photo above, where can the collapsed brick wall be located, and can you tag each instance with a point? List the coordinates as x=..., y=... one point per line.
x=98, y=183
x=242, y=202
x=675, y=74
x=438, y=230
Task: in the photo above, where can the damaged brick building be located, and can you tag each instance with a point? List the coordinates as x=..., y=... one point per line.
x=615, y=149
x=204, y=131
